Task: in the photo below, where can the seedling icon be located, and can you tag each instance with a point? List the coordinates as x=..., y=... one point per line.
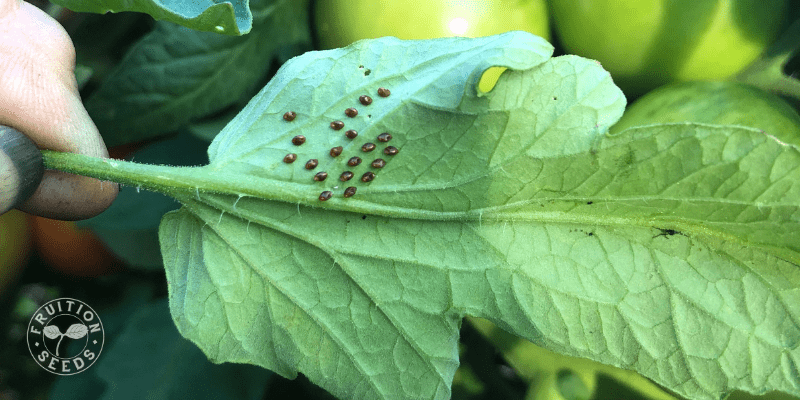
x=75, y=331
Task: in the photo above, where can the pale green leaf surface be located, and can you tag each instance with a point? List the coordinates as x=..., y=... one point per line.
x=176, y=74
x=231, y=17
x=665, y=249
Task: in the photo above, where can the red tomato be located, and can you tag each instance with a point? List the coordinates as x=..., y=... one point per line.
x=72, y=250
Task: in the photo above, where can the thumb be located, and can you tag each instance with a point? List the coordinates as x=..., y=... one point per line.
x=21, y=168
x=39, y=97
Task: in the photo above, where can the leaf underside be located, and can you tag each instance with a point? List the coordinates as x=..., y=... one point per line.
x=667, y=249
x=230, y=17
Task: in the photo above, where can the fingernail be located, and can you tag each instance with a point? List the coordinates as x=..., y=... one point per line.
x=21, y=168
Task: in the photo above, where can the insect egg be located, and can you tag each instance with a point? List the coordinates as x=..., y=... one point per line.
x=350, y=191
x=390, y=150
x=336, y=125
x=351, y=134
x=365, y=100
x=354, y=161
x=326, y=195
x=312, y=163
x=368, y=177
x=320, y=176
x=383, y=92
x=290, y=158
x=298, y=140
x=346, y=176
x=351, y=112
x=384, y=137
x=336, y=151
x=290, y=116
x=378, y=163
x=367, y=147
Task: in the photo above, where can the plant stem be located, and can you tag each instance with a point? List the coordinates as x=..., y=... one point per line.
x=158, y=178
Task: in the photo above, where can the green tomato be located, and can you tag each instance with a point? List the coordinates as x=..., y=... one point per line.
x=647, y=43
x=341, y=22
x=723, y=103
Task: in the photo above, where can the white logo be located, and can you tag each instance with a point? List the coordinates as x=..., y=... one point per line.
x=58, y=323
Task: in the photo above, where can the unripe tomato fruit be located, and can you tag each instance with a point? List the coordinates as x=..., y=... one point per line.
x=723, y=103
x=647, y=43
x=69, y=249
x=15, y=247
x=341, y=22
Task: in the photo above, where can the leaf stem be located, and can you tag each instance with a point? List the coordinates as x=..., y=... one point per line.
x=164, y=179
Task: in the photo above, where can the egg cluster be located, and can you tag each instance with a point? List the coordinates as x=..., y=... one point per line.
x=349, y=136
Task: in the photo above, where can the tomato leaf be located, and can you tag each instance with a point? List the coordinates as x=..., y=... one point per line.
x=231, y=17
x=666, y=249
x=175, y=74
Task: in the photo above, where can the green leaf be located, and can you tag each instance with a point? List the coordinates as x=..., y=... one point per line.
x=150, y=360
x=231, y=17
x=670, y=250
x=667, y=249
x=208, y=128
x=175, y=74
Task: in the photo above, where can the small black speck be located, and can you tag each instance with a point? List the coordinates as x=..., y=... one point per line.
x=555, y=98
x=367, y=72
x=589, y=233
x=363, y=217
x=589, y=202
x=667, y=233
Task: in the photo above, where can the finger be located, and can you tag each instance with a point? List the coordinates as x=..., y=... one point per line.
x=21, y=168
x=39, y=97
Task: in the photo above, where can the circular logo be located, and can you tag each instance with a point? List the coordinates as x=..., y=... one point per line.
x=65, y=336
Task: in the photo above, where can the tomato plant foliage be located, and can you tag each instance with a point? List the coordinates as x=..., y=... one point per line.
x=666, y=249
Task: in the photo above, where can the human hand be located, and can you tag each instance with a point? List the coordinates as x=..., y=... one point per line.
x=39, y=97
